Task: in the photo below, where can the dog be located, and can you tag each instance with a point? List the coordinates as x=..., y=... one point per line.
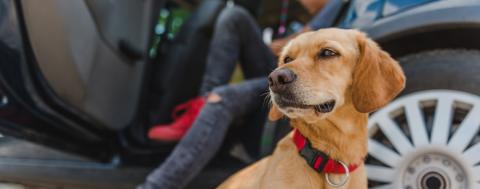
x=326, y=83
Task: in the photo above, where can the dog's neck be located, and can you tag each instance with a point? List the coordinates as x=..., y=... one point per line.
x=342, y=135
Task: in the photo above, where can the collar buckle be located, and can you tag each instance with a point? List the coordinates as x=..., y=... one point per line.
x=312, y=155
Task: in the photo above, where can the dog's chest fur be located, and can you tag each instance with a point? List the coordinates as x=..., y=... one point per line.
x=286, y=169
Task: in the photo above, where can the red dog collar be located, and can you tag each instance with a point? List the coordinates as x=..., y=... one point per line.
x=317, y=159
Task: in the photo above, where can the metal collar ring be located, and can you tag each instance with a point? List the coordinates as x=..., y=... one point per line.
x=343, y=181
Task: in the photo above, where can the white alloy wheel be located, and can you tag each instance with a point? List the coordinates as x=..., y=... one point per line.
x=427, y=139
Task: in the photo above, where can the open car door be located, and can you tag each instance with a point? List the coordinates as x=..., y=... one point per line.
x=72, y=72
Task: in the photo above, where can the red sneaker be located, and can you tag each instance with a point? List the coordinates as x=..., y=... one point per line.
x=183, y=117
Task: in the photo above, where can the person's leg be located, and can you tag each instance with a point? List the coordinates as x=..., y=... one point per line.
x=256, y=58
x=205, y=137
x=236, y=37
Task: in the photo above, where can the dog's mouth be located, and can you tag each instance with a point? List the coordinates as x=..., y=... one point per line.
x=325, y=107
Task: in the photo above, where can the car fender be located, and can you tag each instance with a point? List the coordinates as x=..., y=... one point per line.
x=426, y=17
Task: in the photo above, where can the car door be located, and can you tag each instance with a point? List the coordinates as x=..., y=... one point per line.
x=72, y=72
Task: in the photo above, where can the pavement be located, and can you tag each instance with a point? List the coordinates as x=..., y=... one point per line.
x=13, y=148
x=11, y=186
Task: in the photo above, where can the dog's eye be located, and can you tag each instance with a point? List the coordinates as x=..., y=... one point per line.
x=325, y=53
x=287, y=59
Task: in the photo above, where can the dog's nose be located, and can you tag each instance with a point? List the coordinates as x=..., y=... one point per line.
x=278, y=79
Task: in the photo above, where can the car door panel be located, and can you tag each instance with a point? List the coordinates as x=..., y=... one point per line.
x=66, y=87
x=78, y=53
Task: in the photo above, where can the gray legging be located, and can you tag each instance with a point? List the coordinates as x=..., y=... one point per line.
x=236, y=38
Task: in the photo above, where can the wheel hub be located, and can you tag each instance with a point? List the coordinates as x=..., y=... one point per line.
x=433, y=180
x=434, y=171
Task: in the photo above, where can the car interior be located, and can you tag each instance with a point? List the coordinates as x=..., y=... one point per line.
x=104, y=68
x=100, y=74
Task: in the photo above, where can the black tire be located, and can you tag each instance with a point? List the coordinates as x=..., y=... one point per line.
x=452, y=69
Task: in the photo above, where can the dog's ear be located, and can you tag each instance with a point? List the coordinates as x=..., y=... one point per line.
x=377, y=77
x=274, y=113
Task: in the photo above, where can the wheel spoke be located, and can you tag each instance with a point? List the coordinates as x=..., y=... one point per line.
x=476, y=173
x=382, y=153
x=378, y=173
x=472, y=154
x=466, y=131
x=442, y=121
x=416, y=123
x=394, y=134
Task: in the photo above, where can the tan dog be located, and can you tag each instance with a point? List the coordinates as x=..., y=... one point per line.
x=326, y=82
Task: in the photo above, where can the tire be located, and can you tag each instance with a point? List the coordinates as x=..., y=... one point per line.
x=442, y=69
x=428, y=137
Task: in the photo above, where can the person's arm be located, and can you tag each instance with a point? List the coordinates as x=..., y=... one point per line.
x=324, y=18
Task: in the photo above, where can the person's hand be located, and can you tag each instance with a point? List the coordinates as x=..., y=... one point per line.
x=277, y=45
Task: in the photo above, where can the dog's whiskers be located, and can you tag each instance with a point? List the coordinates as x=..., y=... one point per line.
x=267, y=100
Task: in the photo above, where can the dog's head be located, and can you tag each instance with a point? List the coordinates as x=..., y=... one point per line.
x=319, y=72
